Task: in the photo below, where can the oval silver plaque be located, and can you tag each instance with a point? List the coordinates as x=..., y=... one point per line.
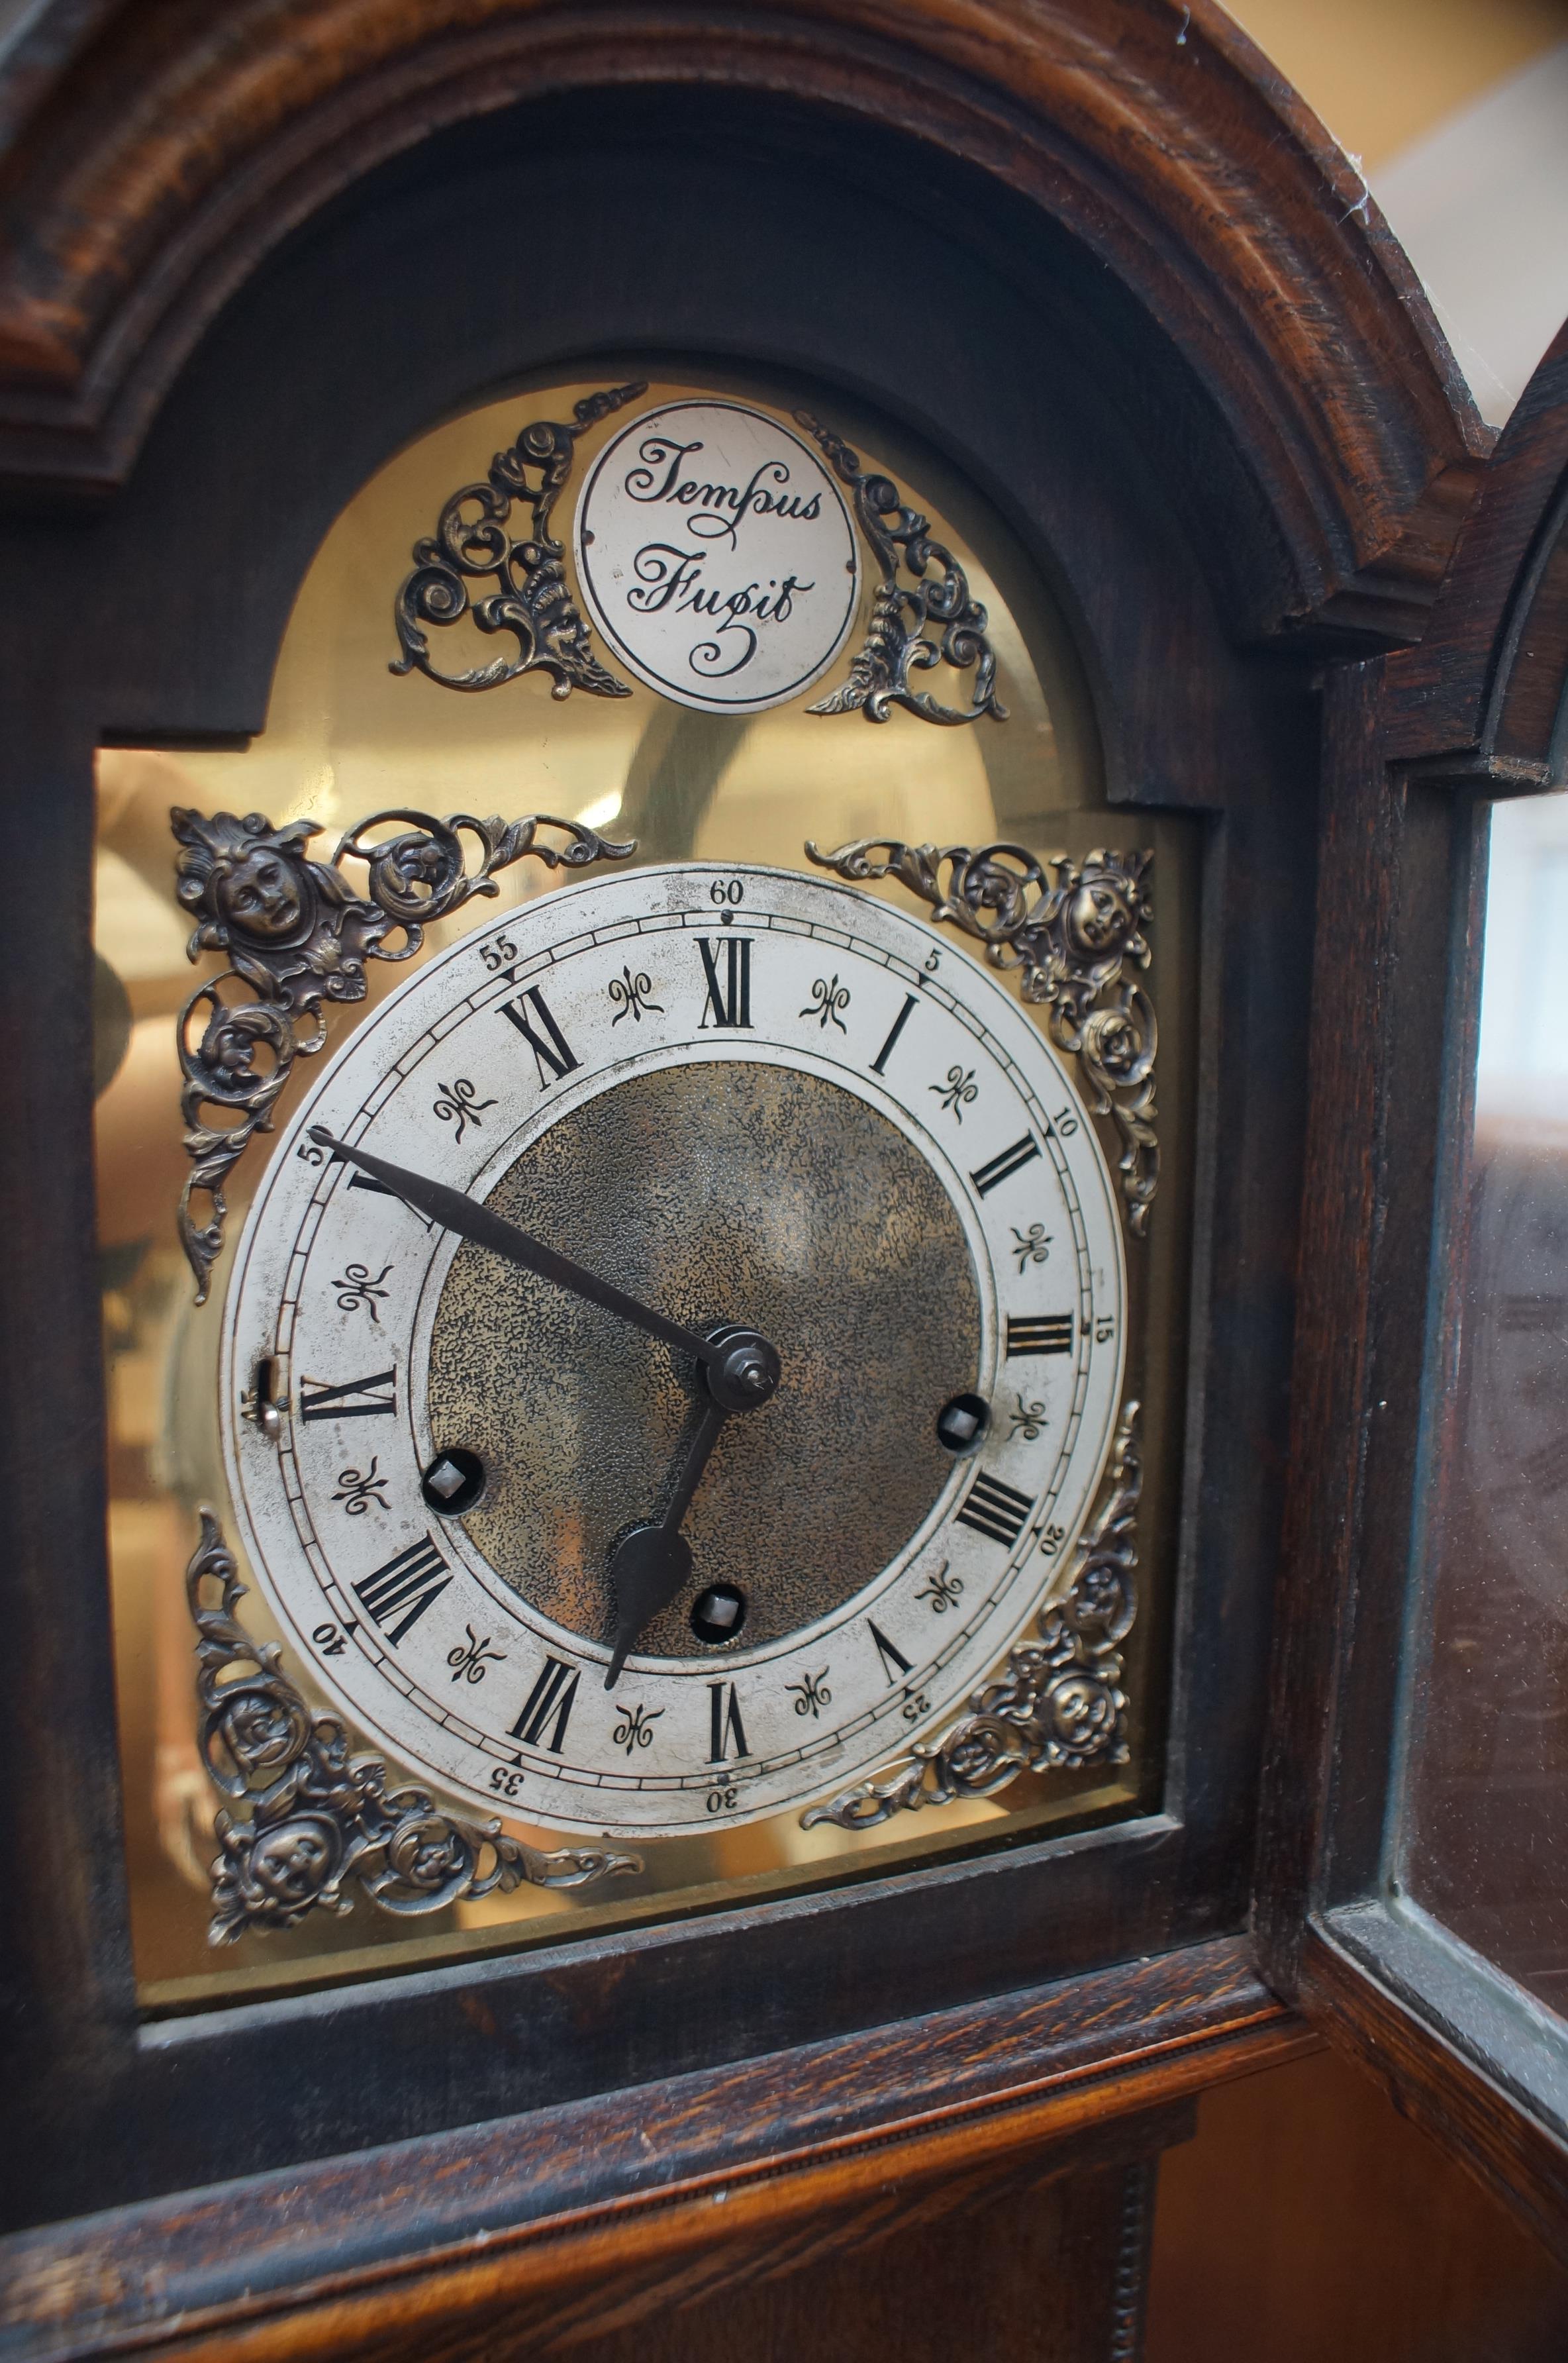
x=717, y=556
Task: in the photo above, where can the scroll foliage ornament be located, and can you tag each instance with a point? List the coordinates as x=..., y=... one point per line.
x=297, y=936
x=531, y=598
x=321, y=1821
x=1058, y=1703
x=896, y=643
x=1072, y=935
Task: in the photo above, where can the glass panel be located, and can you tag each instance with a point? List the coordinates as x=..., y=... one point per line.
x=1486, y=1787
x=345, y=738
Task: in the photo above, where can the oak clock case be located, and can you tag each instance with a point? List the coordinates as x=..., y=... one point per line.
x=527, y=1596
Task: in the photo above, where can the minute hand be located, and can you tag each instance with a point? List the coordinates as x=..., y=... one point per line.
x=472, y=1220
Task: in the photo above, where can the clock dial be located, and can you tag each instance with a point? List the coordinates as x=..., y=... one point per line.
x=739, y=1097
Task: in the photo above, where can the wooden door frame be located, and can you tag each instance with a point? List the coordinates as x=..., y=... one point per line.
x=1420, y=743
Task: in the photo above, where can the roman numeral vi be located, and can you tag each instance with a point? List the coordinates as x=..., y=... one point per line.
x=407, y=1584
x=724, y=1720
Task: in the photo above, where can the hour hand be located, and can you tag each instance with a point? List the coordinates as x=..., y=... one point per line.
x=650, y=1565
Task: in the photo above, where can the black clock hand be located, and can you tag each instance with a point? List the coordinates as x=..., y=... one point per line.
x=650, y=1565
x=740, y=1367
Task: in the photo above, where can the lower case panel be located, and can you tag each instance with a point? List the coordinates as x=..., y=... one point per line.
x=575, y=2224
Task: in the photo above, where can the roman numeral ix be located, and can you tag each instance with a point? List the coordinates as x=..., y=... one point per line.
x=1047, y=1333
x=404, y=1588
x=995, y=1509
x=1005, y=1162
x=729, y=1001
x=551, y=1049
x=552, y=1695
x=356, y=1399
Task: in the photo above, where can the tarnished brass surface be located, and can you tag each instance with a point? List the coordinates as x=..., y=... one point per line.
x=725, y=1190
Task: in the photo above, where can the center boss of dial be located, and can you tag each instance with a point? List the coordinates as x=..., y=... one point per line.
x=754, y=1204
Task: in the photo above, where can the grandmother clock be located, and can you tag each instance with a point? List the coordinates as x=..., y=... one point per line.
x=671, y=837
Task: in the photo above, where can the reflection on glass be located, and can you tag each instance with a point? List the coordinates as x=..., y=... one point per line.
x=1486, y=1798
x=345, y=738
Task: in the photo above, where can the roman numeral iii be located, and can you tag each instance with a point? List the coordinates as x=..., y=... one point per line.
x=551, y=1049
x=995, y=1509
x=1005, y=1162
x=1047, y=1333
x=355, y=1399
x=727, y=968
x=552, y=1696
x=404, y=1588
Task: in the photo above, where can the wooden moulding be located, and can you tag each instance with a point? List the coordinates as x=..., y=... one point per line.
x=1481, y=697
x=156, y=157
x=618, y=2205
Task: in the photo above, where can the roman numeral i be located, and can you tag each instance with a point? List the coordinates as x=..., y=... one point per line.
x=408, y=1584
x=1005, y=1162
x=554, y=1693
x=994, y=1509
x=551, y=1049
x=729, y=992
x=879, y=1063
x=1048, y=1333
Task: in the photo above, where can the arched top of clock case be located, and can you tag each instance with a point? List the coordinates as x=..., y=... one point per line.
x=268, y=244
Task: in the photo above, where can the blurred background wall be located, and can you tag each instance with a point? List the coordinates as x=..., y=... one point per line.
x=1308, y=2220
x=1456, y=112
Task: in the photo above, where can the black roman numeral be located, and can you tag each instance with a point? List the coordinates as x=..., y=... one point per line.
x=724, y=1719
x=356, y=1399
x=879, y=1063
x=358, y=1180
x=1007, y=1160
x=1049, y=1333
x=895, y=1664
x=995, y=1509
x=551, y=1049
x=407, y=1584
x=552, y=1694
x=728, y=1003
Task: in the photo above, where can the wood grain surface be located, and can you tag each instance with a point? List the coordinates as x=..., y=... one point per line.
x=158, y=156
x=629, y=2201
